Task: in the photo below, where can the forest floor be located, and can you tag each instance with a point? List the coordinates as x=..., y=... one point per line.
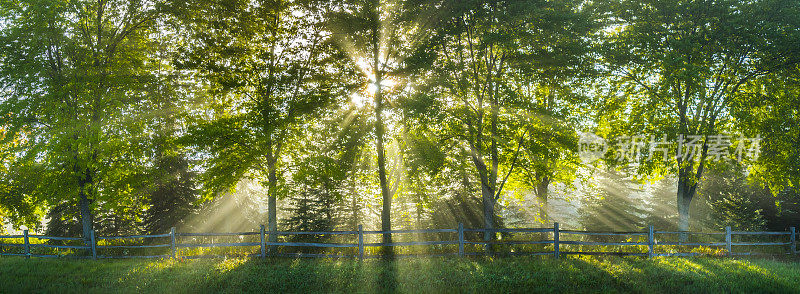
x=410, y=275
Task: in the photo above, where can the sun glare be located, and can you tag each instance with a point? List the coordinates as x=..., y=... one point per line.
x=358, y=99
x=372, y=88
x=364, y=97
x=365, y=68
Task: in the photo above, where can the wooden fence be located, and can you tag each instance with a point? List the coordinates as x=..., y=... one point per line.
x=646, y=242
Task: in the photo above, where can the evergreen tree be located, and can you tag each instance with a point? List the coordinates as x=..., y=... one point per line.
x=64, y=220
x=173, y=199
x=311, y=211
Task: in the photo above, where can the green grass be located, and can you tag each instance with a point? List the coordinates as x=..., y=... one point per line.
x=413, y=275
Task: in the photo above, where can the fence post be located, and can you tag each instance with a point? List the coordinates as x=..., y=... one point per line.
x=94, y=244
x=793, y=240
x=27, y=244
x=172, y=236
x=728, y=241
x=360, y=242
x=650, y=241
x=555, y=240
x=263, y=245
x=460, y=239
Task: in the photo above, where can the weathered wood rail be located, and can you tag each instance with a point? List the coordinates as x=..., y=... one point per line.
x=556, y=245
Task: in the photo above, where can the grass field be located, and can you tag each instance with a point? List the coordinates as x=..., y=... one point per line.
x=413, y=275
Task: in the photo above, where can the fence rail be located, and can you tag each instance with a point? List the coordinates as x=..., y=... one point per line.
x=177, y=241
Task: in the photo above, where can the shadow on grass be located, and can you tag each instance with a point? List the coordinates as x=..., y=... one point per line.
x=404, y=275
x=387, y=274
x=703, y=275
x=535, y=274
x=411, y=275
x=286, y=275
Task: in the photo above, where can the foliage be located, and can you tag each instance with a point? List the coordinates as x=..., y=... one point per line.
x=74, y=74
x=767, y=107
x=131, y=116
x=493, y=93
x=311, y=211
x=269, y=68
x=676, y=69
x=173, y=200
x=742, y=203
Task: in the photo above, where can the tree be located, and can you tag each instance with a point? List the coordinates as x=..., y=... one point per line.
x=487, y=62
x=767, y=107
x=311, y=211
x=733, y=201
x=18, y=202
x=371, y=32
x=173, y=194
x=73, y=74
x=269, y=67
x=550, y=152
x=173, y=198
x=677, y=67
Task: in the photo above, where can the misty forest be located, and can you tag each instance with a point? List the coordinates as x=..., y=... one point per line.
x=132, y=117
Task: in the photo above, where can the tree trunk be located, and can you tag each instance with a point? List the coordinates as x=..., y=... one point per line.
x=683, y=208
x=272, y=205
x=84, y=203
x=354, y=204
x=686, y=192
x=386, y=212
x=542, y=189
x=86, y=215
x=419, y=213
x=488, y=215
x=683, y=211
x=687, y=186
x=490, y=190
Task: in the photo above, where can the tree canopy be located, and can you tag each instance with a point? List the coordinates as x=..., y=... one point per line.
x=129, y=116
